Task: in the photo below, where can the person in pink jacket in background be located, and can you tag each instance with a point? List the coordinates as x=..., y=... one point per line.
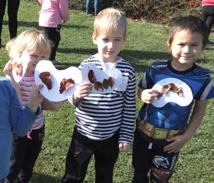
x=208, y=14
x=51, y=16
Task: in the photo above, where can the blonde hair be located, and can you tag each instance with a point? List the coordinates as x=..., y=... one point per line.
x=110, y=20
x=30, y=40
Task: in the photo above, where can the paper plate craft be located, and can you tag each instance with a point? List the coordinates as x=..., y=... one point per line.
x=58, y=84
x=65, y=84
x=18, y=70
x=100, y=85
x=46, y=79
x=104, y=81
x=19, y=65
x=172, y=90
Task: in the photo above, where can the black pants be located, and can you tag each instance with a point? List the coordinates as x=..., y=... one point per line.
x=53, y=35
x=80, y=152
x=25, y=151
x=208, y=16
x=12, y=10
x=149, y=157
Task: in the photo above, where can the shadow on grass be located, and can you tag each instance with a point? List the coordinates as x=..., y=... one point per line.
x=210, y=48
x=132, y=56
x=24, y=24
x=75, y=26
x=85, y=51
x=42, y=178
x=139, y=59
x=36, y=25
x=64, y=65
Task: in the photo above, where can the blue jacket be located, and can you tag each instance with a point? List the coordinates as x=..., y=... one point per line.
x=172, y=109
x=14, y=119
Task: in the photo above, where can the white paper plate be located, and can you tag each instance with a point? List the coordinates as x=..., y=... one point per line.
x=23, y=60
x=56, y=77
x=182, y=100
x=17, y=77
x=120, y=82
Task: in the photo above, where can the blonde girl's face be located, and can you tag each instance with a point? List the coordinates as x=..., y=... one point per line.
x=185, y=48
x=109, y=44
x=32, y=58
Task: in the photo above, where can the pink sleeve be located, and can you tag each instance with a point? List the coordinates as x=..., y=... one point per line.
x=40, y=1
x=64, y=9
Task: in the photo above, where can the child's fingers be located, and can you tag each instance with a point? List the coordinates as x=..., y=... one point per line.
x=37, y=87
x=155, y=94
x=8, y=68
x=171, y=148
x=123, y=146
x=175, y=144
x=149, y=95
x=84, y=90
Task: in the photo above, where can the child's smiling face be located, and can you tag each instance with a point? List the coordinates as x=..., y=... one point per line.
x=109, y=44
x=185, y=48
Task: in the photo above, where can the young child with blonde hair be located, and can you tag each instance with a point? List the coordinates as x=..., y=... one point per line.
x=25, y=51
x=105, y=116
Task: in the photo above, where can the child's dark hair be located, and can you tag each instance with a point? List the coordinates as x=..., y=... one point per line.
x=191, y=23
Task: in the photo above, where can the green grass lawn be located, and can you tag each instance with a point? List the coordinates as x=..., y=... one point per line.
x=145, y=43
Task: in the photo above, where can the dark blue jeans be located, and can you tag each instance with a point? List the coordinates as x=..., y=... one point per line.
x=96, y=6
x=208, y=16
x=12, y=11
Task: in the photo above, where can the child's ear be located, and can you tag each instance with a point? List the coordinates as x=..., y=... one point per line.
x=168, y=46
x=94, y=38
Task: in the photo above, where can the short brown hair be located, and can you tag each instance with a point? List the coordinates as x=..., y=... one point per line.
x=110, y=20
x=192, y=23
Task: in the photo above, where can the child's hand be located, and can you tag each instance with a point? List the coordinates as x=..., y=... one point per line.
x=149, y=95
x=8, y=69
x=176, y=143
x=35, y=98
x=83, y=90
x=124, y=146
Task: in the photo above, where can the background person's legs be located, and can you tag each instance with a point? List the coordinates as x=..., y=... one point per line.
x=13, y=7
x=2, y=11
